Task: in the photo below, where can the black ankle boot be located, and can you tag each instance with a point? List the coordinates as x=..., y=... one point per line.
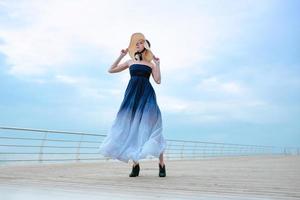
x=162, y=170
x=135, y=171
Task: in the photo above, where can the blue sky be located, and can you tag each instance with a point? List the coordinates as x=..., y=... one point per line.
x=230, y=69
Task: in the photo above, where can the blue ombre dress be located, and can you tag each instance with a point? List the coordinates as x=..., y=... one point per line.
x=137, y=129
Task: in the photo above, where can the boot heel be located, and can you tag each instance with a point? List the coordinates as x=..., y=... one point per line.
x=162, y=170
x=135, y=171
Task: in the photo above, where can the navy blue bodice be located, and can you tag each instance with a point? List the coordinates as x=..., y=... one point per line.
x=140, y=70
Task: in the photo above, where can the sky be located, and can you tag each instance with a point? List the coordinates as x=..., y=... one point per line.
x=230, y=69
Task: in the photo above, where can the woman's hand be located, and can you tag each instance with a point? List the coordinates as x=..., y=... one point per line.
x=115, y=67
x=156, y=70
x=124, y=52
x=156, y=60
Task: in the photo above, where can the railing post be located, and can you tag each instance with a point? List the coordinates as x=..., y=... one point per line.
x=272, y=151
x=194, y=150
x=42, y=146
x=248, y=150
x=204, y=150
x=261, y=150
x=221, y=150
x=78, y=148
x=240, y=150
x=214, y=150
x=182, y=149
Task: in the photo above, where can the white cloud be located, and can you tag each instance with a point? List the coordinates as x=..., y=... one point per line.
x=51, y=31
x=214, y=110
x=89, y=88
x=213, y=84
x=172, y=104
x=49, y=35
x=67, y=79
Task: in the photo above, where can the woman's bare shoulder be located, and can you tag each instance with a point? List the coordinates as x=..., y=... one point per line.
x=152, y=65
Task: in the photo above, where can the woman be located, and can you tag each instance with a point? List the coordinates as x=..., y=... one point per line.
x=137, y=130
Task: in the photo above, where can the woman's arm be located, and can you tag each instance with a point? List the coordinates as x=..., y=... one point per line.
x=116, y=67
x=156, y=70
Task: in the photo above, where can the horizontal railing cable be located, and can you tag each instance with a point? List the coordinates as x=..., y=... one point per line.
x=20, y=145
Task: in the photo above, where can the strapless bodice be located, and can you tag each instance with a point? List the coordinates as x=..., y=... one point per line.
x=140, y=70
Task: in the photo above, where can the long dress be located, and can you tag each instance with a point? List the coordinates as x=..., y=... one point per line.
x=136, y=131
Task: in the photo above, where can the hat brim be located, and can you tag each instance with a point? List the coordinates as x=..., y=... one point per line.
x=148, y=56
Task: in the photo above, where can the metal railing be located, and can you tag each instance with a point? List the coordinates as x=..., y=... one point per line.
x=39, y=145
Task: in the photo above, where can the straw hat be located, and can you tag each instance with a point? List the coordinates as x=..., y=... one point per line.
x=147, y=55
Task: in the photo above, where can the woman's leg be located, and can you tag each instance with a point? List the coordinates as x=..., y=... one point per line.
x=161, y=159
x=135, y=163
x=162, y=167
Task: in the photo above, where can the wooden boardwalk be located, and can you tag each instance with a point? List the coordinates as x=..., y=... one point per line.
x=236, y=178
